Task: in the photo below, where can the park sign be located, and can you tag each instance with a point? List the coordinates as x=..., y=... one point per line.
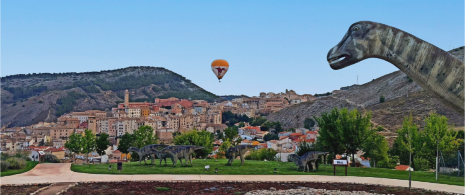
x=339, y=162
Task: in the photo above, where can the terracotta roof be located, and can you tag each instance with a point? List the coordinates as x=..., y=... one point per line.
x=298, y=134
x=54, y=150
x=282, y=137
x=116, y=151
x=311, y=132
x=402, y=167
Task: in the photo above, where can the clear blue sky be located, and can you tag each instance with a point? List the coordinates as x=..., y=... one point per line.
x=270, y=45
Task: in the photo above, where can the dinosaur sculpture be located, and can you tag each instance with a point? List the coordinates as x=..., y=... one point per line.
x=144, y=151
x=234, y=152
x=308, y=161
x=162, y=154
x=182, y=152
x=434, y=69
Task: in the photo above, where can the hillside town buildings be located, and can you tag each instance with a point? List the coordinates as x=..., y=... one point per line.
x=166, y=117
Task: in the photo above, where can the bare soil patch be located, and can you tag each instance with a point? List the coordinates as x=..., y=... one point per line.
x=156, y=187
x=21, y=190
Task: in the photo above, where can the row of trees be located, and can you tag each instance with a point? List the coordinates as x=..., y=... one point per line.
x=344, y=131
x=425, y=145
x=87, y=143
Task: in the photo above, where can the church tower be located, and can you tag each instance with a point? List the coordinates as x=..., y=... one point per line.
x=126, y=98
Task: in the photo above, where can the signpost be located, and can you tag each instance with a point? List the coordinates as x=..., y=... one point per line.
x=340, y=163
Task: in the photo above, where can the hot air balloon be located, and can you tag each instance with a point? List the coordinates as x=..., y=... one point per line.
x=220, y=67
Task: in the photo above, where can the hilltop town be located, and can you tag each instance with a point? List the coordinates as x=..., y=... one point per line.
x=166, y=117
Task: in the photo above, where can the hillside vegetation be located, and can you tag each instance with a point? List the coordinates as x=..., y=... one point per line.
x=31, y=98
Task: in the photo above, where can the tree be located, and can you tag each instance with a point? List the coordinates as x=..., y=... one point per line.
x=198, y=138
x=88, y=143
x=241, y=124
x=382, y=99
x=102, y=144
x=223, y=148
x=74, y=144
x=125, y=142
x=409, y=139
x=144, y=136
x=269, y=137
x=231, y=133
x=375, y=147
x=329, y=138
x=309, y=123
x=352, y=127
x=42, y=142
x=438, y=136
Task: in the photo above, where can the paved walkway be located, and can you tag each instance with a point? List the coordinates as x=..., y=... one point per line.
x=53, y=173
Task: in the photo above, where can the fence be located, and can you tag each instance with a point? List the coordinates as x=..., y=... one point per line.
x=451, y=164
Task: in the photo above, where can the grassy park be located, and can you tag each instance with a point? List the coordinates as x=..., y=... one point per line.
x=29, y=166
x=259, y=168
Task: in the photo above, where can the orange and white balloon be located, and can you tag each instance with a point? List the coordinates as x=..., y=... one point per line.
x=220, y=67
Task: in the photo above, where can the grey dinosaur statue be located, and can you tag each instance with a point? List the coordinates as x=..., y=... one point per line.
x=308, y=161
x=144, y=151
x=434, y=69
x=162, y=154
x=183, y=152
x=234, y=152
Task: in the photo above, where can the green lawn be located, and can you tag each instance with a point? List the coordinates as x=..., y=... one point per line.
x=259, y=168
x=29, y=166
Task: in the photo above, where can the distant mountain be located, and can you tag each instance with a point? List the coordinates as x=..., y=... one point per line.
x=394, y=87
x=230, y=97
x=31, y=98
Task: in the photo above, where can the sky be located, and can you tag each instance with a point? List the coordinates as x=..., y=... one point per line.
x=270, y=45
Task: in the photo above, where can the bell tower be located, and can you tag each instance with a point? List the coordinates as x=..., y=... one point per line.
x=126, y=98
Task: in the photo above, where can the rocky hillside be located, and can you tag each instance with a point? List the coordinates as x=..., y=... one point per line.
x=28, y=99
x=402, y=98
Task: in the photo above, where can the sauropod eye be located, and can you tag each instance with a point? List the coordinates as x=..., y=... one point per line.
x=356, y=28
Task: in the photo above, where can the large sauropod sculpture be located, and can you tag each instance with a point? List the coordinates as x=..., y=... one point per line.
x=434, y=69
x=234, y=152
x=144, y=151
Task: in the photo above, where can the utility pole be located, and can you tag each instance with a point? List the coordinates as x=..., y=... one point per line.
x=437, y=155
x=409, y=161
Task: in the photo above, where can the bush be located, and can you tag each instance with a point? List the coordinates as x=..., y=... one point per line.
x=4, y=156
x=4, y=165
x=51, y=158
x=262, y=154
x=382, y=99
x=16, y=163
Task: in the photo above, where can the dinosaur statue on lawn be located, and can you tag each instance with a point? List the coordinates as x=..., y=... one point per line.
x=162, y=154
x=434, y=69
x=308, y=161
x=183, y=152
x=234, y=152
x=144, y=151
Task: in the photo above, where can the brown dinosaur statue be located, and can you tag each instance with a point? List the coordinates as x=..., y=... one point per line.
x=434, y=69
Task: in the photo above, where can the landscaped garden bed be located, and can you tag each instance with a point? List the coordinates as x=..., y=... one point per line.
x=21, y=189
x=175, y=188
x=260, y=168
x=29, y=166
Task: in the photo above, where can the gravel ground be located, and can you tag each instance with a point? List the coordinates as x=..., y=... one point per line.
x=305, y=191
x=225, y=187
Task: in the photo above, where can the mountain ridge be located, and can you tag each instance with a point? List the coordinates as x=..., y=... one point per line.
x=31, y=98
